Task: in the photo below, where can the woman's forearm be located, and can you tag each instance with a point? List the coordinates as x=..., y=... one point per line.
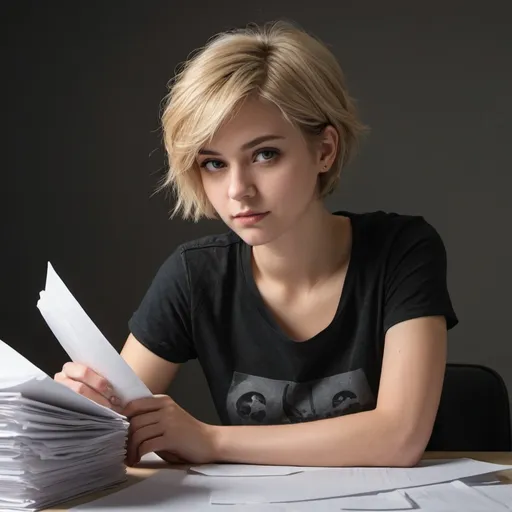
x=369, y=438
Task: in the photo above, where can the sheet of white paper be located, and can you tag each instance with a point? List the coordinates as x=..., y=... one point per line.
x=167, y=490
x=330, y=483
x=151, y=457
x=14, y=367
x=83, y=341
x=175, y=490
x=454, y=495
x=39, y=386
x=481, y=480
x=250, y=470
x=390, y=501
x=501, y=493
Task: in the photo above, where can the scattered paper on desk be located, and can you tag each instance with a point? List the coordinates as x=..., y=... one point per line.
x=83, y=341
x=330, y=483
x=175, y=490
x=54, y=443
x=501, y=493
x=219, y=470
x=453, y=496
x=166, y=490
x=391, y=501
x=487, y=479
x=182, y=491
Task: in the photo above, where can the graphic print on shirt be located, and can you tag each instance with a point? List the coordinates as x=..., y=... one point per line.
x=254, y=400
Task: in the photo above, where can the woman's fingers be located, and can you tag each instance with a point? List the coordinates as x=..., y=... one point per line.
x=82, y=373
x=82, y=389
x=171, y=457
x=143, y=420
x=88, y=383
x=139, y=437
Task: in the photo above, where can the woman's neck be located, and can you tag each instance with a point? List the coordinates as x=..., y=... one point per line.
x=313, y=250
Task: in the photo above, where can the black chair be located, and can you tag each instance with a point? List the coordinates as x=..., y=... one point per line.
x=474, y=412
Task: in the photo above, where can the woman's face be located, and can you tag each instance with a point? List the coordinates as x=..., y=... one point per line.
x=259, y=173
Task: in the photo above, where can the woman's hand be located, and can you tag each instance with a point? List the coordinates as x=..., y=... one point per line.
x=160, y=425
x=88, y=383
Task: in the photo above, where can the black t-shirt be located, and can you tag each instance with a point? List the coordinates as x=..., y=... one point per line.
x=203, y=303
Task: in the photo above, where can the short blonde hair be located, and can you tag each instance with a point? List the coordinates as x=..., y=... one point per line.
x=278, y=62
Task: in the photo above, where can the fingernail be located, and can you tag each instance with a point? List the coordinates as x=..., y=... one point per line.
x=114, y=400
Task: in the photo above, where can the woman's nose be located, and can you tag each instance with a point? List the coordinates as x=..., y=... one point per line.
x=240, y=184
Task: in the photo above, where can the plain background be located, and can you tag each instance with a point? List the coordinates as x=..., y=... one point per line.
x=82, y=88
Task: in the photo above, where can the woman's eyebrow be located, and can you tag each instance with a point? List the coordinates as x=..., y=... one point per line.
x=247, y=145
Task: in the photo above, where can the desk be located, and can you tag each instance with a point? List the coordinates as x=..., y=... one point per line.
x=144, y=470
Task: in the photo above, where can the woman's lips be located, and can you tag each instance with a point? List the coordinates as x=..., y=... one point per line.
x=250, y=219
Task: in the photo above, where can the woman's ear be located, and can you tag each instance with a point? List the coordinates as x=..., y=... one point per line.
x=328, y=147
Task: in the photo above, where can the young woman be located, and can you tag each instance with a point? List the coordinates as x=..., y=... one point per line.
x=322, y=336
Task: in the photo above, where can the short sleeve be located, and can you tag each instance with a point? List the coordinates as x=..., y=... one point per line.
x=162, y=321
x=416, y=276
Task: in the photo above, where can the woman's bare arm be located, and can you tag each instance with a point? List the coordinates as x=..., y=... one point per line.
x=395, y=433
x=155, y=372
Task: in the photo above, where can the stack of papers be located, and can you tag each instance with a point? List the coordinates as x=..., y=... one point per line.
x=54, y=443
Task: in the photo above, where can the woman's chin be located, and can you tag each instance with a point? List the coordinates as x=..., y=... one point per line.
x=254, y=238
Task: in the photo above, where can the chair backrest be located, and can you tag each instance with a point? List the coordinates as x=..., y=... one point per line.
x=474, y=413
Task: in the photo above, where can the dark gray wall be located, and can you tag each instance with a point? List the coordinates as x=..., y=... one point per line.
x=82, y=87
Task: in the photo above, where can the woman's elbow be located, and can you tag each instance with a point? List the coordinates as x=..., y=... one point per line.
x=408, y=457
x=409, y=452
x=406, y=448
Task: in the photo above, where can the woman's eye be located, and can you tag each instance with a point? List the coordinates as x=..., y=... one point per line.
x=212, y=165
x=267, y=154
x=264, y=155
